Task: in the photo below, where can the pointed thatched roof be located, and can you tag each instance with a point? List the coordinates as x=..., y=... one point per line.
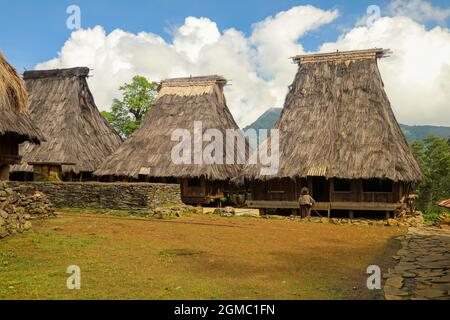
x=179, y=104
x=62, y=106
x=14, y=118
x=337, y=122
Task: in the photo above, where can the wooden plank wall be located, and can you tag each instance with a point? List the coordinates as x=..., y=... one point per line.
x=289, y=190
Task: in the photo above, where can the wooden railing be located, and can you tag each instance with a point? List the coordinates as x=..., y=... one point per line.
x=323, y=206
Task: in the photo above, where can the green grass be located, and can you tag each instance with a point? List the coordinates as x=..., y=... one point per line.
x=198, y=257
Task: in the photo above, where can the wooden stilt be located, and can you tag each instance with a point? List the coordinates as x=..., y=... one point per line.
x=388, y=215
x=352, y=214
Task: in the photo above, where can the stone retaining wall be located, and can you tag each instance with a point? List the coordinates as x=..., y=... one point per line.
x=18, y=207
x=113, y=196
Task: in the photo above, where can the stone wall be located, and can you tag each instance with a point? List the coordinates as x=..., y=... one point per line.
x=18, y=207
x=112, y=196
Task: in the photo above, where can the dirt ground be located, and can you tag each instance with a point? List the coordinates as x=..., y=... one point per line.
x=197, y=257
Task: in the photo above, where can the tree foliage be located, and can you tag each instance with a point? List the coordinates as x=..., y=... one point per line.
x=433, y=155
x=127, y=114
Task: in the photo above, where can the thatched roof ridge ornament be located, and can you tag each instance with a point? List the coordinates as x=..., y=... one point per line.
x=191, y=86
x=342, y=55
x=56, y=73
x=193, y=81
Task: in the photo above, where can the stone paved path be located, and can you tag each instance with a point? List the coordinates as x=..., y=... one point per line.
x=423, y=269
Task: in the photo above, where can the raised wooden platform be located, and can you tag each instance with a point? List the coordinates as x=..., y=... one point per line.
x=326, y=206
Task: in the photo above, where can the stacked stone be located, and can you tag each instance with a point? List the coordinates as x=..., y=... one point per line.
x=225, y=212
x=113, y=196
x=416, y=221
x=423, y=268
x=18, y=209
x=172, y=212
x=407, y=221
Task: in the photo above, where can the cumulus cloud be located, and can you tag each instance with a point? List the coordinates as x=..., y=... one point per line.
x=258, y=65
x=276, y=40
x=416, y=76
x=419, y=10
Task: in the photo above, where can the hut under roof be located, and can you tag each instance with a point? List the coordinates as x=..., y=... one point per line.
x=78, y=137
x=15, y=123
x=445, y=204
x=338, y=137
x=146, y=155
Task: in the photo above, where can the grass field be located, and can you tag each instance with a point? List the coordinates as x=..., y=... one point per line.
x=197, y=257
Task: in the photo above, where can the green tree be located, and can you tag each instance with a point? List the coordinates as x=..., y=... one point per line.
x=127, y=114
x=433, y=155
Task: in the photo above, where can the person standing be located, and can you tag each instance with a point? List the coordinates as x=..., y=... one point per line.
x=306, y=202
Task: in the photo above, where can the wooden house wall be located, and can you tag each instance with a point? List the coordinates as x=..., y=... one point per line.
x=285, y=189
x=322, y=190
x=205, y=192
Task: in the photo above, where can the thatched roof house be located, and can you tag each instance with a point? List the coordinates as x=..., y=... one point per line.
x=14, y=118
x=180, y=103
x=445, y=204
x=338, y=123
x=78, y=137
x=15, y=123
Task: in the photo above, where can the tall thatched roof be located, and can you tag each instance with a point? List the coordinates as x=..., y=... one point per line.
x=179, y=104
x=14, y=118
x=62, y=106
x=337, y=122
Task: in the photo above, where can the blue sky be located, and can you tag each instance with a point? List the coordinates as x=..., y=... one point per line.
x=34, y=31
x=196, y=40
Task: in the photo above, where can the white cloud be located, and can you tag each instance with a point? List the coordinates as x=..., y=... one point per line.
x=194, y=35
x=276, y=40
x=258, y=65
x=419, y=10
x=417, y=75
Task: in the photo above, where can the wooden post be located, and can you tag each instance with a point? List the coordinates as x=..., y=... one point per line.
x=330, y=189
x=329, y=211
x=388, y=215
x=310, y=186
x=352, y=214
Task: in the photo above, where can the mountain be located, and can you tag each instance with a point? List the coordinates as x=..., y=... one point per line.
x=412, y=133
x=267, y=120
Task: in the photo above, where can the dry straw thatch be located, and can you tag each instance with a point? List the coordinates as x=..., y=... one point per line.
x=62, y=106
x=338, y=122
x=179, y=104
x=14, y=118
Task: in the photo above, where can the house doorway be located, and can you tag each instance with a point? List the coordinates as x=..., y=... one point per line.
x=320, y=189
